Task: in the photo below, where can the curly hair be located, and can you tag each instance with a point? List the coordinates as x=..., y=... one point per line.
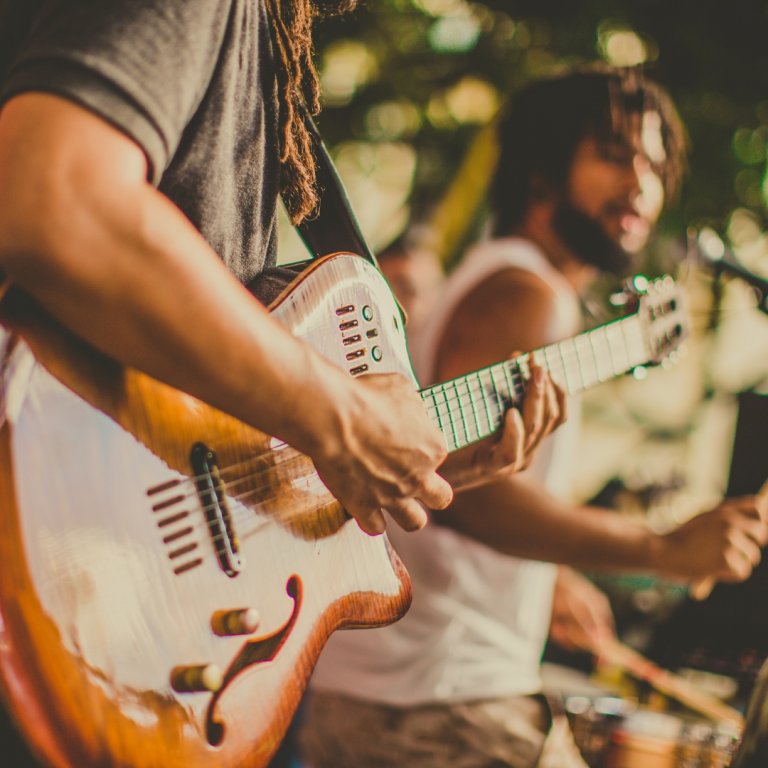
x=544, y=122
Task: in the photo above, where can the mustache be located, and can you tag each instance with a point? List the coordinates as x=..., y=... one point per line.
x=587, y=239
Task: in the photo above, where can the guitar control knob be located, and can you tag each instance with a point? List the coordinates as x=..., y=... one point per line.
x=196, y=678
x=240, y=621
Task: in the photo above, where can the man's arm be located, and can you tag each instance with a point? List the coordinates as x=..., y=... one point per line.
x=113, y=260
x=517, y=516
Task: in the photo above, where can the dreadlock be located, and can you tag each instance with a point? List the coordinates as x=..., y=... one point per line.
x=297, y=82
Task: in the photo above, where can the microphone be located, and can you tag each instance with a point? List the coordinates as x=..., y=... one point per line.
x=712, y=251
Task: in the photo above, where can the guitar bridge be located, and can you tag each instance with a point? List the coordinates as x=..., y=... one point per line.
x=209, y=489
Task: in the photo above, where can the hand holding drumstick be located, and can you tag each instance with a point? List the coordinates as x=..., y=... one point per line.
x=702, y=588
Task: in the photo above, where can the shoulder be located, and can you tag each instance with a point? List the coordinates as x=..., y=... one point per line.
x=511, y=298
x=509, y=311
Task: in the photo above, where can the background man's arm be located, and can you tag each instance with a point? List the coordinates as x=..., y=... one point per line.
x=516, y=515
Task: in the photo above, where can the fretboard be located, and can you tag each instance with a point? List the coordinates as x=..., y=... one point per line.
x=471, y=407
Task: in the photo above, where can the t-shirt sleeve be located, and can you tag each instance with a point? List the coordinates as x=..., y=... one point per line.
x=142, y=65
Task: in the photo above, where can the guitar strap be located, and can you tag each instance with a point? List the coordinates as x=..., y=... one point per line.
x=334, y=228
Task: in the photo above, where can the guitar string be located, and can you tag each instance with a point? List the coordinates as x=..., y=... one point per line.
x=280, y=446
x=285, y=459
x=288, y=514
x=291, y=457
x=294, y=456
x=473, y=384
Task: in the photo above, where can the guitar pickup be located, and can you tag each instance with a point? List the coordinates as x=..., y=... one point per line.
x=205, y=470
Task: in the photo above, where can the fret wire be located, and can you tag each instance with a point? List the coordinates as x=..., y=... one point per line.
x=448, y=415
x=611, y=356
x=445, y=413
x=635, y=330
x=590, y=337
x=510, y=386
x=472, y=405
x=461, y=412
x=485, y=401
x=496, y=388
x=486, y=405
x=582, y=355
x=573, y=355
x=619, y=351
x=437, y=410
x=497, y=397
x=629, y=364
x=619, y=346
x=569, y=388
x=599, y=344
x=494, y=405
x=519, y=379
x=549, y=362
x=451, y=414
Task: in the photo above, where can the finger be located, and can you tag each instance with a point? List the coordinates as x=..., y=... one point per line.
x=755, y=529
x=549, y=413
x=739, y=563
x=553, y=407
x=562, y=404
x=370, y=521
x=739, y=567
x=747, y=546
x=747, y=506
x=408, y=514
x=436, y=492
x=512, y=446
x=743, y=514
x=533, y=407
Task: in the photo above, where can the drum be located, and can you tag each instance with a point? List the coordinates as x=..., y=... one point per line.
x=645, y=739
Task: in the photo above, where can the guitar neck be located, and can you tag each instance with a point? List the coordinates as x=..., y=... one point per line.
x=471, y=407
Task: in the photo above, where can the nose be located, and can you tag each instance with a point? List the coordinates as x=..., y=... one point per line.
x=637, y=170
x=647, y=188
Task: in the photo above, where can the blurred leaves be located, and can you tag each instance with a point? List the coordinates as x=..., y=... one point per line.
x=431, y=73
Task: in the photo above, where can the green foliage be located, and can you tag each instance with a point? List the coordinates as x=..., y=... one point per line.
x=711, y=56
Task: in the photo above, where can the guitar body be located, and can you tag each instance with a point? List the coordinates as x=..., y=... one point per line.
x=138, y=526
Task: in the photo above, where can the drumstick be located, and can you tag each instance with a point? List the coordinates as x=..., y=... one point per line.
x=701, y=589
x=668, y=683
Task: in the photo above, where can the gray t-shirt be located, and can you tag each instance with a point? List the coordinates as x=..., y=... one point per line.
x=191, y=81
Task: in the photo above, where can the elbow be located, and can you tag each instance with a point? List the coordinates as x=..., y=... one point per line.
x=37, y=215
x=62, y=170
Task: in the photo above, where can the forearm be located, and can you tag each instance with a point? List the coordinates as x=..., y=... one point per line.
x=518, y=517
x=120, y=266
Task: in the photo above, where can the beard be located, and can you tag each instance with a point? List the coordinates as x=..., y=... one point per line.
x=327, y=8
x=583, y=235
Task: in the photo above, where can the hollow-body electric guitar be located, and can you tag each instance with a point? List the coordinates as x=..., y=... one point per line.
x=169, y=575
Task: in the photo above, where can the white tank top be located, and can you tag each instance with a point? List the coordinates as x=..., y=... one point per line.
x=479, y=619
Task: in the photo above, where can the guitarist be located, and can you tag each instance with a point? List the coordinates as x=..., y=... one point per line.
x=143, y=146
x=586, y=160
